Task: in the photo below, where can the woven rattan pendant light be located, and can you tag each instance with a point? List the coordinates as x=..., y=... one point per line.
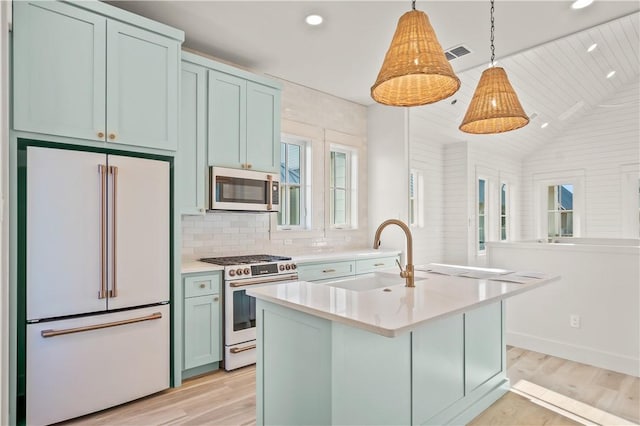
x=495, y=107
x=415, y=70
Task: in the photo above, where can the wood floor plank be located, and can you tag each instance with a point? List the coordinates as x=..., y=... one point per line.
x=228, y=398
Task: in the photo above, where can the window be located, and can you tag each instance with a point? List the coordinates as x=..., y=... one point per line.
x=342, y=187
x=415, y=199
x=560, y=210
x=482, y=186
x=293, y=183
x=504, y=212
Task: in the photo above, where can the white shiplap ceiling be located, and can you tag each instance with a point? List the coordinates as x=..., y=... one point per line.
x=541, y=44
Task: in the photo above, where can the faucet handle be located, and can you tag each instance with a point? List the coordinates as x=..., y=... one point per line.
x=402, y=271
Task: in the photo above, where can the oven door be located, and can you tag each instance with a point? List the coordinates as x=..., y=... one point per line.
x=240, y=309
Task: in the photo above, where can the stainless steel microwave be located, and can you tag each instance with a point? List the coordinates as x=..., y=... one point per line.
x=245, y=190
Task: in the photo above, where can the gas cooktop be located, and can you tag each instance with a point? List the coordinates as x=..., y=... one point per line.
x=244, y=260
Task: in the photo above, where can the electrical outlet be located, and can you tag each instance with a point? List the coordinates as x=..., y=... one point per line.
x=574, y=321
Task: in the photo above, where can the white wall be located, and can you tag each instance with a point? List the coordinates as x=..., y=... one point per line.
x=599, y=147
x=601, y=284
x=388, y=150
x=322, y=119
x=457, y=226
x=426, y=155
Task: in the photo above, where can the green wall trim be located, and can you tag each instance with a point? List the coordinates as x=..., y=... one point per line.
x=21, y=314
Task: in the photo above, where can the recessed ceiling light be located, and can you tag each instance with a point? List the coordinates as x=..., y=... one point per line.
x=592, y=47
x=544, y=125
x=611, y=74
x=313, y=20
x=579, y=4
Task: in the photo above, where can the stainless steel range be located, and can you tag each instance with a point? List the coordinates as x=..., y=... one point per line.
x=241, y=272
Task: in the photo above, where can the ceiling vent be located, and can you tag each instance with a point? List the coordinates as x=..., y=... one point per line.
x=456, y=52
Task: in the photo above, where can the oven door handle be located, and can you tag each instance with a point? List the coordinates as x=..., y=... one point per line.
x=281, y=278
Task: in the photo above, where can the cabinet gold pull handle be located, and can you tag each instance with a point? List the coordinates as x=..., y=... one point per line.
x=378, y=264
x=112, y=136
x=202, y=285
x=215, y=299
x=101, y=135
x=53, y=333
x=328, y=270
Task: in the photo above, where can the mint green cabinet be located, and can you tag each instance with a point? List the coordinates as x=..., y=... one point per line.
x=244, y=123
x=190, y=158
x=227, y=120
x=483, y=345
x=349, y=267
x=81, y=74
x=202, y=326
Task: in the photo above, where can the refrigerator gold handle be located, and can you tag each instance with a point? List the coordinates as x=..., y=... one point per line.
x=53, y=333
x=113, y=170
x=102, y=169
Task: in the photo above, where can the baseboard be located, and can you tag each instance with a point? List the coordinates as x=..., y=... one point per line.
x=608, y=360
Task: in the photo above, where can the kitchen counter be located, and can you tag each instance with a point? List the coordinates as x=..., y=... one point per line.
x=193, y=266
x=380, y=302
x=367, y=350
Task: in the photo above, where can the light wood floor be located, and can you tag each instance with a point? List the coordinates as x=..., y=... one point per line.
x=229, y=398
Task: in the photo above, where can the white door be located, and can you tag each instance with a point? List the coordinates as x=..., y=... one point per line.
x=69, y=375
x=63, y=232
x=139, y=229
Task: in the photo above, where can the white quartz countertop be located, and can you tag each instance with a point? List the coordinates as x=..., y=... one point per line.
x=381, y=303
x=193, y=266
x=345, y=255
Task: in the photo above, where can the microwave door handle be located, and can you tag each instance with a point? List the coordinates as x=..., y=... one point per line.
x=270, y=192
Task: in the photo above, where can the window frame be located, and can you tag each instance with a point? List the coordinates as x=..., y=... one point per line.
x=506, y=214
x=351, y=187
x=304, y=185
x=541, y=182
x=481, y=246
x=416, y=199
x=557, y=212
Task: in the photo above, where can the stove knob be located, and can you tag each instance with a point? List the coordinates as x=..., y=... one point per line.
x=294, y=266
x=247, y=271
x=282, y=267
x=232, y=273
x=239, y=271
x=287, y=266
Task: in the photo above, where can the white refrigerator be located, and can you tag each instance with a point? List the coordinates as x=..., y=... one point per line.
x=97, y=281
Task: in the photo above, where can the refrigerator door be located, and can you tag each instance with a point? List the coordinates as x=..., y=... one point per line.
x=139, y=230
x=64, y=211
x=75, y=374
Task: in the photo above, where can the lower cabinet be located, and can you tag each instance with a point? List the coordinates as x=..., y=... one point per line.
x=202, y=325
x=320, y=271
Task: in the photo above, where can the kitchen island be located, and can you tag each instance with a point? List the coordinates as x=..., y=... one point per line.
x=369, y=350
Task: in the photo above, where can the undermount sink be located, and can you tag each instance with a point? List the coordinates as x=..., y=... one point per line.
x=368, y=281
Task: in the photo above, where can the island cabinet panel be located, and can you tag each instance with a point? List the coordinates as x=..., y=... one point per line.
x=294, y=368
x=438, y=367
x=371, y=378
x=483, y=345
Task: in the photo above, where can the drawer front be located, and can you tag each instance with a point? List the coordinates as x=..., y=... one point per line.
x=365, y=266
x=202, y=285
x=320, y=271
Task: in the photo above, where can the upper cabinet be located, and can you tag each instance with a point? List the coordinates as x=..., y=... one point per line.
x=91, y=71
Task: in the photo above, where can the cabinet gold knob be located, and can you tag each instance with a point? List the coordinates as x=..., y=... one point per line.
x=112, y=136
x=201, y=210
x=249, y=166
x=216, y=298
x=101, y=135
x=244, y=166
x=202, y=285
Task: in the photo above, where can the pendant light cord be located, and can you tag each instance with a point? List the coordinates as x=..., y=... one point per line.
x=493, y=48
x=413, y=4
